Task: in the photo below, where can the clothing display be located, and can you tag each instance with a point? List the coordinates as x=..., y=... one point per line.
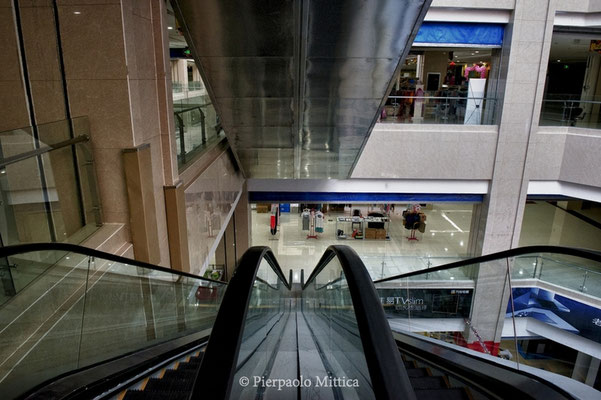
x=319, y=222
x=305, y=217
x=274, y=219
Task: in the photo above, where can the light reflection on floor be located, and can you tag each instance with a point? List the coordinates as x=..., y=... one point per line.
x=445, y=240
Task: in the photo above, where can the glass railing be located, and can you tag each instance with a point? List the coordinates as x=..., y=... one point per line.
x=48, y=184
x=328, y=339
x=381, y=266
x=571, y=110
x=248, y=332
x=76, y=307
x=197, y=127
x=432, y=109
x=561, y=270
x=266, y=319
x=328, y=310
x=527, y=305
x=179, y=87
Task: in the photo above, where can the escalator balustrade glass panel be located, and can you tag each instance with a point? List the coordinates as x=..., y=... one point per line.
x=267, y=315
x=82, y=309
x=328, y=310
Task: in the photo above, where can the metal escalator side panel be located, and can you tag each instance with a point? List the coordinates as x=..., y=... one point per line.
x=297, y=83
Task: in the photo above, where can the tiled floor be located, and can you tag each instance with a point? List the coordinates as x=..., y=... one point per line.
x=445, y=240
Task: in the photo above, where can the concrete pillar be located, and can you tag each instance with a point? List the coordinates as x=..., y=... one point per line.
x=525, y=56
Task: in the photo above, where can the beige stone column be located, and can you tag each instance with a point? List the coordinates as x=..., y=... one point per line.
x=137, y=163
x=525, y=53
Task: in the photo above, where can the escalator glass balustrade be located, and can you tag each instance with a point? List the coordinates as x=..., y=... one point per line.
x=80, y=307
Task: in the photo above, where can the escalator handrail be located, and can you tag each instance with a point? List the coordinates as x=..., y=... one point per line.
x=518, y=251
x=10, y=251
x=387, y=373
x=491, y=375
x=214, y=378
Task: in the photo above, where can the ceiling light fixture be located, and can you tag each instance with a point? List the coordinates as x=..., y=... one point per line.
x=170, y=27
x=77, y=12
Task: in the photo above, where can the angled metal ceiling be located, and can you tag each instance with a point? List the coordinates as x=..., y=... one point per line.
x=298, y=83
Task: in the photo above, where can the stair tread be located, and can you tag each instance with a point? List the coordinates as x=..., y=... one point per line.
x=429, y=382
x=417, y=372
x=441, y=394
x=166, y=395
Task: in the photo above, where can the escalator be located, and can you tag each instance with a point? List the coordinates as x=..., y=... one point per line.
x=326, y=338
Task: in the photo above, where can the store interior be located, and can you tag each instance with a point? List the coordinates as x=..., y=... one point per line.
x=376, y=231
x=572, y=94
x=445, y=237
x=442, y=77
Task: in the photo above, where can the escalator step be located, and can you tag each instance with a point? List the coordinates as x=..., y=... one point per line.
x=180, y=374
x=168, y=384
x=429, y=382
x=189, y=366
x=417, y=372
x=144, y=395
x=441, y=394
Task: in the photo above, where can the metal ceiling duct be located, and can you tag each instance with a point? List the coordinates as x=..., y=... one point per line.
x=298, y=83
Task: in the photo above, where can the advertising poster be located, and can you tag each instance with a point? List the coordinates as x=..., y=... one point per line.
x=558, y=311
x=426, y=303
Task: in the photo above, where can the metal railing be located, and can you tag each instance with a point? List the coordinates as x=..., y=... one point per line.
x=179, y=87
x=569, y=110
x=48, y=188
x=197, y=126
x=459, y=110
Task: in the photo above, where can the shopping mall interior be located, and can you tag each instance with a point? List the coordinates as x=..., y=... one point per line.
x=360, y=199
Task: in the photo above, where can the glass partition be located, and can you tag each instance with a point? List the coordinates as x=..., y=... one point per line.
x=48, y=196
x=571, y=110
x=328, y=310
x=267, y=317
x=73, y=310
x=197, y=126
x=430, y=108
x=534, y=309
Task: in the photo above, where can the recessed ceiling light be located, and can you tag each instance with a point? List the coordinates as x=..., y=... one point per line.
x=76, y=12
x=558, y=60
x=169, y=27
x=446, y=249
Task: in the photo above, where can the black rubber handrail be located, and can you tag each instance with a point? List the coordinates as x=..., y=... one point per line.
x=9, y=251
x=214, y=378
x=519, y=251
x=386, y=370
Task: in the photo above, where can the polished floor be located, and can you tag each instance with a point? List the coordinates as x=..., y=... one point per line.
x=445, y=240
